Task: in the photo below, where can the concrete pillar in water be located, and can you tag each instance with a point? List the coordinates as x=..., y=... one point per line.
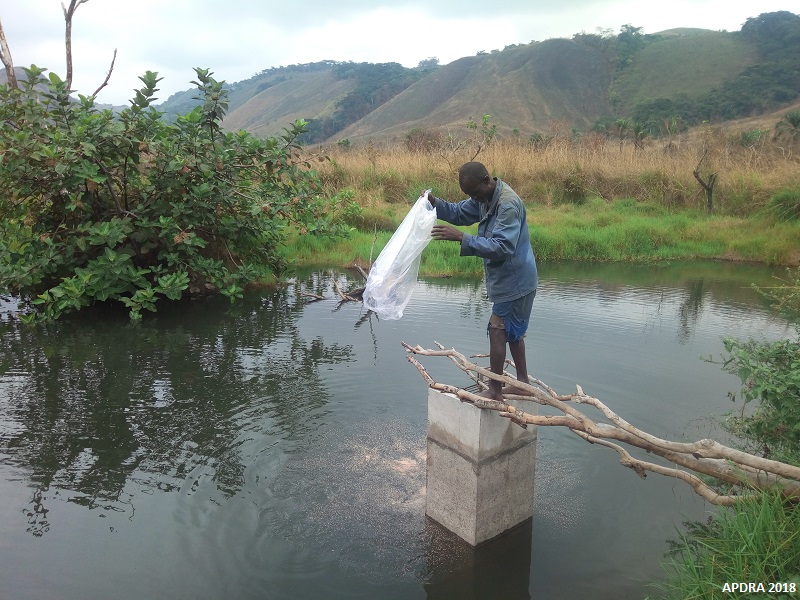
x=480, y=469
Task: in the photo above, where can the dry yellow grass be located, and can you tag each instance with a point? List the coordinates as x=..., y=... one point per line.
x=564, y=169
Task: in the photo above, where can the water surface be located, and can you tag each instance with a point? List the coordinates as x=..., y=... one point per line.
x=275, y=448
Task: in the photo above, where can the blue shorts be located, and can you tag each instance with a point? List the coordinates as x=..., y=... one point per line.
x=513, y=316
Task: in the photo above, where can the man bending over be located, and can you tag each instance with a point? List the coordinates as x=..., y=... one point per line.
x=503, y=242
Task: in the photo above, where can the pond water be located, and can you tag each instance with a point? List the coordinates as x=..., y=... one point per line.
x=275, y=447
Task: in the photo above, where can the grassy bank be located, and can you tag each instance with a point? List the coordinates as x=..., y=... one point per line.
x=572, y=170
x=756, y=542
x=587, y=199
x=597, y=230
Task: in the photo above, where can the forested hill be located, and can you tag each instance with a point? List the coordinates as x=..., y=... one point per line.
x=679, y=77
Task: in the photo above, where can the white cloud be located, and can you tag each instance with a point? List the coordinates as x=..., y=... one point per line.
x=239, y=38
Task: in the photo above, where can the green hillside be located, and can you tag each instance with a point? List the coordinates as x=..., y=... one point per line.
x=683, y=75
x=678, y=64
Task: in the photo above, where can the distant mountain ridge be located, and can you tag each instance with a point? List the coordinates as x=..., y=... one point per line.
x=684, y=76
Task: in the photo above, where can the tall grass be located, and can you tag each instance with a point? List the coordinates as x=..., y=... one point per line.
x=568, y=170
x=757, y=541
x=597, y=230
x=590, y=199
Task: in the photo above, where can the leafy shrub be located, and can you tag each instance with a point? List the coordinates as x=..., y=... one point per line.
x=770, y=375
x=573, y=186
x=788, y=128
x=751, y=137
x=130, y=208
x=785, y=205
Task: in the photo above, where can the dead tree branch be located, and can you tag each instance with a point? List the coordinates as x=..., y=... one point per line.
x=69, y=12
x=5, y=58
x=351, y=296
x=361, y=270
x=707, y=185
x=108, y=75
x=743, y=472
x=314, y=297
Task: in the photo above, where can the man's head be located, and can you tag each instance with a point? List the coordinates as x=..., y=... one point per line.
x=475, y=181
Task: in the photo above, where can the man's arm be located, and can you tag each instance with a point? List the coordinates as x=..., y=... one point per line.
x=465, y=212
x=503, y=242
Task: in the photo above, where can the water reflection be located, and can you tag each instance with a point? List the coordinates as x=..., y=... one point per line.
x=640, y=294
x=690, y=309
x=499, y=568
x=91, y=402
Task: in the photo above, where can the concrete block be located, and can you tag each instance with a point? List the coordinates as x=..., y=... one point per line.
x=480, y=469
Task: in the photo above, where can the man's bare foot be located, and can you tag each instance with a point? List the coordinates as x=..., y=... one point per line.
x=492, y=395
x=515, y=391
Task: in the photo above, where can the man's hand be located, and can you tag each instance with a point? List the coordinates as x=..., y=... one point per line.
x=430, y=198
x=447, y=232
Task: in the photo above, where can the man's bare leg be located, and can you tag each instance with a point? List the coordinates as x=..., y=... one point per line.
x=497, y=361
x=520, y=362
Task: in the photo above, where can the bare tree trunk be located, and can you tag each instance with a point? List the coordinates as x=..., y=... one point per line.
x=68, y=14
x=8, y=63
x=708, y=185
x=741, y=471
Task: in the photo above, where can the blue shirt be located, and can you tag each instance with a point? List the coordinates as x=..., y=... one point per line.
x=503, y=241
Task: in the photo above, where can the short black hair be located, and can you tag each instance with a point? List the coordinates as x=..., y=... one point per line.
x=473, y=170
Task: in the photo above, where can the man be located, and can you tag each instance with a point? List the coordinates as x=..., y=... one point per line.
x=503, y=242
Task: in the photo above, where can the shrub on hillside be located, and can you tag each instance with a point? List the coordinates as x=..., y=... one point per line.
x=422, y=139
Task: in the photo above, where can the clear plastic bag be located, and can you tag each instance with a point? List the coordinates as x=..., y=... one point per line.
x=392, y=278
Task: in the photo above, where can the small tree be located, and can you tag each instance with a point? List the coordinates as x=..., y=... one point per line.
x=621, y=127
x=129, y=208
x=423, y=139
x=483, y=134
x=707, y=182
x=639, y=134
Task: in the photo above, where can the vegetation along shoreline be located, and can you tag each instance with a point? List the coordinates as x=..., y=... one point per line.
x=588, y=199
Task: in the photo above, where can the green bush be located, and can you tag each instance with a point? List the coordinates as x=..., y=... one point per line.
x=770, y=375
x=573, y=188
x=785, y=205
x=757, y=541
x=751, y=137
x=130, y=208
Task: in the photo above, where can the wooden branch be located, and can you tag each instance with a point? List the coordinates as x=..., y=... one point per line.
x=5, y=58
x=361, y=270
x=699, y=486
x=741, y=470
x=372, y=248
x=68, y=14
x=108, y=75
x=342, y=295
x=314, y=296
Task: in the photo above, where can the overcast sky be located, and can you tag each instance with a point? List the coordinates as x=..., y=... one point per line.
x=238, y=38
